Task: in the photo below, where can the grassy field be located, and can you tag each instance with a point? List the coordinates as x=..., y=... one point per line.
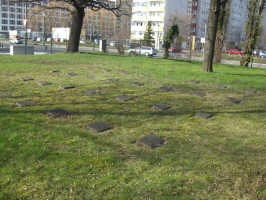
x=41, y=157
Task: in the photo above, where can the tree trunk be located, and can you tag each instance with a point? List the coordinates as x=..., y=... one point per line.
x=166, y=51
x=219, y=43
x=119, y=44
x=221, y=30
x=211, y=35
x=252, y=30
x=77, y=21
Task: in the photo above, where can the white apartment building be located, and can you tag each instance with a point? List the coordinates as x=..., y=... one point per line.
x=144, y=11
x=155, y=11
x=11, y=16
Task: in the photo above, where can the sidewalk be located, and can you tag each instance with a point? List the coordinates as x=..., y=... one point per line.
x=234, y=62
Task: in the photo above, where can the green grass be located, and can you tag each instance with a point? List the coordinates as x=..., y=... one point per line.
x=44, y=158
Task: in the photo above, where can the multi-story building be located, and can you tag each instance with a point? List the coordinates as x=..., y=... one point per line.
x=144, y=11
x=237, y=21
x=158, y=13
x=11, y=16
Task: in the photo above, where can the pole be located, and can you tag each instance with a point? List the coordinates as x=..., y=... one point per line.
x=93, y=37
x=158, y=37
x=51, y=49
x=205, y=32
x=190, y=36
x=26, y=27
x=43, y=27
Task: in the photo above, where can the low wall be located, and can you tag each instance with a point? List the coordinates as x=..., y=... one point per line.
x=21, y=50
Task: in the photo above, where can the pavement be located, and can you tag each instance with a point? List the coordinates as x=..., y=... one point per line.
x=234, y=62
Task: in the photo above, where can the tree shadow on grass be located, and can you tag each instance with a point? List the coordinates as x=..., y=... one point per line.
x=105, y=54
x=98, y=112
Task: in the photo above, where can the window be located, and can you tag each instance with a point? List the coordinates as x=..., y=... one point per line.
x=12, y=22
x=4, y=15
x=4, y=21
x=4, y=2
x=4, y=28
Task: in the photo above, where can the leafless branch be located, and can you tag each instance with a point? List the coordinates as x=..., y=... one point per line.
x=94, y=5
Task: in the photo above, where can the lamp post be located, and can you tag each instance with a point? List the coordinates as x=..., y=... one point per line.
x=43, y=28
x=158, y=36
x=26, y=27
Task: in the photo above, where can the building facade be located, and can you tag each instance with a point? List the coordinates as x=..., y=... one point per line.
x=144, y=11
x=12, y=16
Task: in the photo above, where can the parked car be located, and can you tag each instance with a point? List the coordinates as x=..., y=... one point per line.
x=234, y=52
x=262, y=54
x=256, y=52
x=143, y=50
x=174, y=50
x=16, y=41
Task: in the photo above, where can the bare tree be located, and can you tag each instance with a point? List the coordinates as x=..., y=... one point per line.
x=211, y=35
x=182, y=21
x=169, y=37
x=45, y=19
x=122, y=26
x=77, y=11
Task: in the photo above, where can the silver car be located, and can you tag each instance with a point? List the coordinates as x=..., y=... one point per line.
x=143, y=50
x=263, y=54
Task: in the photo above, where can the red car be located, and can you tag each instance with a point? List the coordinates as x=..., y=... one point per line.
x=174, y=50
x=234, y=51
